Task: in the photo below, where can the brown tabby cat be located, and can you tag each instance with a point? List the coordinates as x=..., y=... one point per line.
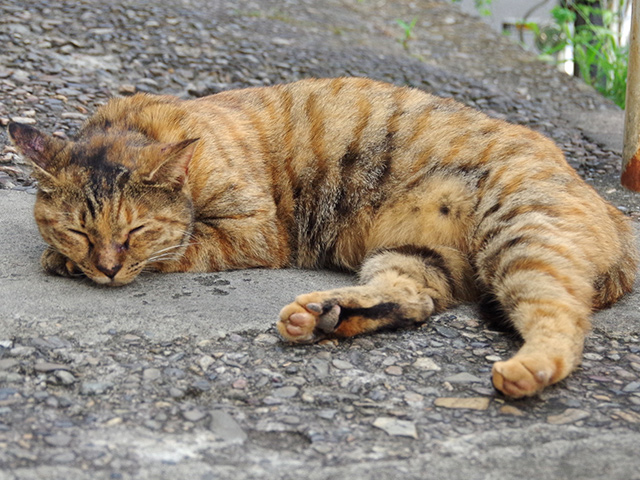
x=430, y=201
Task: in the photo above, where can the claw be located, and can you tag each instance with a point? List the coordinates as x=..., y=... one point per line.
x=314, y=308
x=328, y=321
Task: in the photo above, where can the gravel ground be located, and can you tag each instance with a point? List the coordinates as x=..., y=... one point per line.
x=383, y=404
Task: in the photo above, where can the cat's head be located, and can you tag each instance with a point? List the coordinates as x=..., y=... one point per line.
x=112, y=204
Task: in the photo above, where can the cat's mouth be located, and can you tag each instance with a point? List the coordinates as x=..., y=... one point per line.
x=109, y=281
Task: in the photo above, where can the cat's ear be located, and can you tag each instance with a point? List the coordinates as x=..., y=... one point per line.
x=36, y=146
x=170, y=163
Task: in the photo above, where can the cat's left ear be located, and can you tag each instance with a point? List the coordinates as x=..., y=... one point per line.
x=38, y=147
x=172, y=166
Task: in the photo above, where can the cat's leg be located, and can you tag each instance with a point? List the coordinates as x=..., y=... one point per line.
x=541, y=284
x=54, y=263
x=230, y=244
x=400, y=286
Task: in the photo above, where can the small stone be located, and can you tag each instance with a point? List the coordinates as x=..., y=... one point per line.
x=462, y=377
x=446, y=331
x=127, y=89
x=7, y=363
x=64, y=457
x=425, y=363
x=341, y=364
x=471, y=403
x=413, y=399
x=327, y=414
x=50, y=367
x=73, y=116
x=58, y=439
x=592, y=356
x=511, y=410
x=493, y=358
x=22, y=351
x=113, y=421
x=176, y=392
x=628, y=416
x=194, y=415
x=205, y=362
x=66, y=378
x=266, y=339
x=393, y=370
x=395, y=427
x=26, y=120
x=94, y=388
x=226, y=428
x=631, y=387
x=151, y=374
x=240, y=384
x=201, y=385
x=570, y=415
x=285, y=392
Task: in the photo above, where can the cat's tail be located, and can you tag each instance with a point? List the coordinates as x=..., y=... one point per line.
x=619, y=278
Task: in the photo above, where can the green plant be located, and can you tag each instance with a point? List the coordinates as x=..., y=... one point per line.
x=597, y=52
x=483, y=6
x=408, y=31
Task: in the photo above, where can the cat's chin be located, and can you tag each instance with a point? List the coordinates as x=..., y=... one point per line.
x=108, y=282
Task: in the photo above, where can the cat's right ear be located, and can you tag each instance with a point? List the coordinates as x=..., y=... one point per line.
x=36, y=146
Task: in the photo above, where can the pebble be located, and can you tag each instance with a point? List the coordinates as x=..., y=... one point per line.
x=632, y=387
x=628, y=416
x=49, y=367
x=58, y=439
x=240, y=384
x=25, y=120
x=511, y=410
x=426, y=363
x=225, y=427
x=570, y=415
x=463, y=377
x=7, y=363
x=341, y=364
x=194, y=415
x=285, y=392
x=471, y=403
x=151, y=374
x=327, y=414
x=395, y=427
x=94, y=388
x=66, y=378
x=266, y=339
x=393, y=370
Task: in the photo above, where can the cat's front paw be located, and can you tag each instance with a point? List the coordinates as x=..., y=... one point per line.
x=307, y=321
x=525, y=375
x=55, y=263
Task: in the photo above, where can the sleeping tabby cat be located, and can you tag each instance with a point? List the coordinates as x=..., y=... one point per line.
x=431, y=202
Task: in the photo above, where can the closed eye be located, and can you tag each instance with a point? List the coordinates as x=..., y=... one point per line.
x=82, y=234
x=131, y=232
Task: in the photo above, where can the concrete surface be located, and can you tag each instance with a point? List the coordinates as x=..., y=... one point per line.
x=163, y=307
x=181, y=376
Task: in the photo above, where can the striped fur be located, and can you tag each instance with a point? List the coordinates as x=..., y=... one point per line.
x=431, y=202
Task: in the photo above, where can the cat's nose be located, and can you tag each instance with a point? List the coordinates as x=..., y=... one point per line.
x=110, y=271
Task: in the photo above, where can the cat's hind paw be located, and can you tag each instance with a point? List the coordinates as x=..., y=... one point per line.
x=307, y=322
x=523, y=376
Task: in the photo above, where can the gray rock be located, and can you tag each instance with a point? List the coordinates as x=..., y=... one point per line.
x=58, y=439
x=225, y=427
x=95, y=388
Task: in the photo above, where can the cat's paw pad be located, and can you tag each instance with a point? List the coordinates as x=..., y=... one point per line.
x=523, y=376
x=307, y=322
